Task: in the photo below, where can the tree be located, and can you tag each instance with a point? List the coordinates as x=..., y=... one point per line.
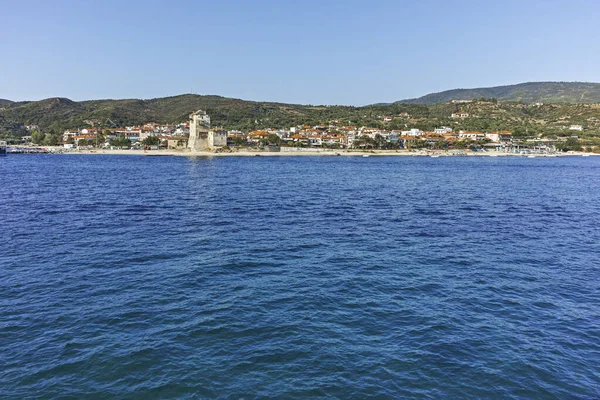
x=51, y=140
x=151, y=141
x=238, y=141
x=37, y=137
x=570, y=144
x=380, y=141
x=99, y=139
x=364, y=141
x=271, y=140
x=120, y=142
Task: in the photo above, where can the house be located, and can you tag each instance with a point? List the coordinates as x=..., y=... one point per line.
x=442, y=130
x=315, y=140
x=413, y=132
x=236, y=137
x=145, y=133
x=576, y=128
x=69, y=133
x=497, y=137
x=257, y=136
x=450, y=136
x=297, y=138
x=460, y=114
x=407, y=141
x=432, y=137
x=387, y=118
x=176, y=142
x=471, y=135
x=88, y=138
x=333, y=140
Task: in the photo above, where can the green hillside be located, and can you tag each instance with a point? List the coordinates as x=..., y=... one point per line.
x=59, y=114
x=524, y=119
x=550, y=92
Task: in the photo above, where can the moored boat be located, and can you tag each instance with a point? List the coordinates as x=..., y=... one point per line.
x=2, y=148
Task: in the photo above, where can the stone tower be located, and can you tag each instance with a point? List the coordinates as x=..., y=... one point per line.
x=201, y=136
x=199, y=127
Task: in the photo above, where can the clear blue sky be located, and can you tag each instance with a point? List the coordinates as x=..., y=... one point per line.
x=302, y=51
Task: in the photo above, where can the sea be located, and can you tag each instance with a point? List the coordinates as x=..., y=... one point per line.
x=132, y=277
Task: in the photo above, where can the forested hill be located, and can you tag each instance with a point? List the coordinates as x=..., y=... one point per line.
x=531, y=92
x=61, y=113
x=55, y=115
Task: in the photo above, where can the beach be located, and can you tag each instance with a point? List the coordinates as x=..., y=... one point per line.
x=285, y=152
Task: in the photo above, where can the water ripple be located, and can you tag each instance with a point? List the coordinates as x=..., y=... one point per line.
x=299, y=277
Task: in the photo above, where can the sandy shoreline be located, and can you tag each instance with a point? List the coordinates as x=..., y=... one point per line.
x=330, y=153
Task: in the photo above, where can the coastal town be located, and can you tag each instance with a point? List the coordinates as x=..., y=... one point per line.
x=197, y=135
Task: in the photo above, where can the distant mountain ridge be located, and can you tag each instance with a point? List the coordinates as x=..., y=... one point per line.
x=561, y=98
x=529, y=92
x=60, y=113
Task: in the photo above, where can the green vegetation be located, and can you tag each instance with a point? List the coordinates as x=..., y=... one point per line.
x=120, y=142
x=271, y=140
x=486, y=113
x=530, y=92
x=570, y=144
x=37, y=137
x=151, y=141
x=52, y=140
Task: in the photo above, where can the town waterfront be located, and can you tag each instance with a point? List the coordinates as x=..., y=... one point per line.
x=292, y=277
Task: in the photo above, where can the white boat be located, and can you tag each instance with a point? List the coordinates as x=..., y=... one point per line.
x=434, y=156
x=365, y=155
x=585, y=155
x=2, y=148
x=530, y=156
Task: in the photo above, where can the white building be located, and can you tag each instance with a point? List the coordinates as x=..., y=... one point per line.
x=471, y=135
x=442, y=130
x=497, y=137
x=576, y=128
x=413, y=132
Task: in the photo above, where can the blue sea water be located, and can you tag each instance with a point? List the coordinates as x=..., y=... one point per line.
x=299, y=277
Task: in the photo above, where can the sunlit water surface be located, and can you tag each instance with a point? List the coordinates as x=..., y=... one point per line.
x=292, y=277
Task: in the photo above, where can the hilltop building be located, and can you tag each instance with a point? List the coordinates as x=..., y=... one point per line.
x=461, y=114
x=201, y=136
